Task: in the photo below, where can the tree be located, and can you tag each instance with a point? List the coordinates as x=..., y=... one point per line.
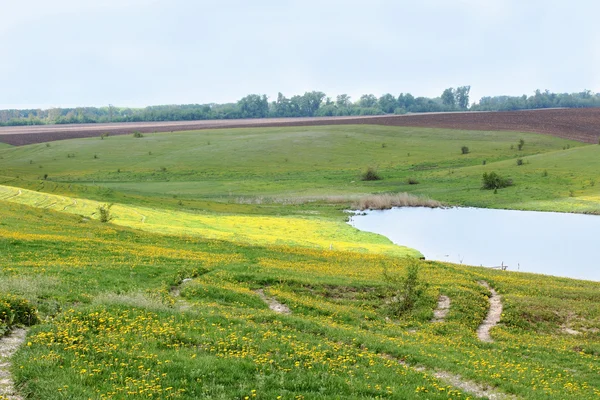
x=310, y=102
x=254, y=106
x=367, y=100
x=462, y=96
x=448, y=98
x=282, y=106
x=388, y=103
x=342, y=100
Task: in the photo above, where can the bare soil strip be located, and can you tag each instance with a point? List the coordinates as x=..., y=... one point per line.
x=493, y=316
x=443, y=307
x=467, y=386
x=143, y=220
x=273, y=303
x=70, y=205
x=175, y=291
x=579, y=124
x=8, y=346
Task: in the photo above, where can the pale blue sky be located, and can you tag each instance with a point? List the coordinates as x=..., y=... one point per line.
x=145, y=52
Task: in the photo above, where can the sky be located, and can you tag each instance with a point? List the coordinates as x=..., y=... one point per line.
x=134, y=53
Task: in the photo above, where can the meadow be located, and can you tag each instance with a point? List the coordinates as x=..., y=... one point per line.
x=162, y=301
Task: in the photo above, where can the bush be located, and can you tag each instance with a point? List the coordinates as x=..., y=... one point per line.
x=137, y=134
x=370, y=175
x=104, y=213
x=495, y=181
x=15, y=311
x=464, y=150
x=519, y=161
x=408, y=290
x=521, y=144
x=412, y=181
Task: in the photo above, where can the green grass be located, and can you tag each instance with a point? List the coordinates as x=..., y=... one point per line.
x=252, y=210
x=292, y=163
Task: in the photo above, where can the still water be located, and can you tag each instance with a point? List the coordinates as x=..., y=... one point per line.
x=548, y=243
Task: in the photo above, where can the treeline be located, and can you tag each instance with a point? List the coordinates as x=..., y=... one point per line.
x=540, y=99
x=309, y=104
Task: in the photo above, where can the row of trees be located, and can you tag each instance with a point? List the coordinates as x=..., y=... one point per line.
x=309, y=104
x=539, y=99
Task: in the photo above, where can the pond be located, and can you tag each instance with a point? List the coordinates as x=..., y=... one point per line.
x=559, y=244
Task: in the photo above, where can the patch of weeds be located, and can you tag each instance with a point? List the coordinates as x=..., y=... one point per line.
x=494, y=181
x=371, y=175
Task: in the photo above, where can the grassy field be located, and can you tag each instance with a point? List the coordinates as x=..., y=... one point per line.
x=163, y=301
x=238, y=165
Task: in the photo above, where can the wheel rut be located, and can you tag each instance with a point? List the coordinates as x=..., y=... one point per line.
x=493, y=315
x=273, y=304
x=470, y=387
x=442, y=310
x=8, y=346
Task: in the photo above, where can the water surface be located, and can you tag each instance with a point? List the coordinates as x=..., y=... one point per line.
x=557, y=244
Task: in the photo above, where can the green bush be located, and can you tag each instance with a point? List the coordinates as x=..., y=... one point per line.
x=495, y=181
x=137, y=134
x=370, y=175
x=15, y=311
x=409, y=289
x=104, y=213
x=464, y=150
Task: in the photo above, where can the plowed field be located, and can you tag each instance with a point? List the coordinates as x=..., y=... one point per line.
x=578, y=124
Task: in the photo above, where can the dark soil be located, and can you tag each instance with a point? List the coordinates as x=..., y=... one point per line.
x=581, y=124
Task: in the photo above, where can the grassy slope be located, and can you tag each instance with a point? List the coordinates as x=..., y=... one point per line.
x=107, y=291
x=106, y=288
x=225, y=165
x=306, y=231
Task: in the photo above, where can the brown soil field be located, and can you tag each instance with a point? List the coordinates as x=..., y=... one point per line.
x=577, y=124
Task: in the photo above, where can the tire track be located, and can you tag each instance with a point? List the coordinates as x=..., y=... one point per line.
x=8, y=346
x=448, y=378
x=274, y=305
x=442, y=310
x=493, y=315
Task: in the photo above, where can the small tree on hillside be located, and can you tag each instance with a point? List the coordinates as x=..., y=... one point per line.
x=104, y=213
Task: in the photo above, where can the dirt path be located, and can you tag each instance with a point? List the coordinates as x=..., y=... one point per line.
x=14, y=195
x=470, y=387
x=273, y=304
x=443, y=307
x=70, y=205
x=143, y=220
x=8, y=346
x=181, y=304
x=493, y=316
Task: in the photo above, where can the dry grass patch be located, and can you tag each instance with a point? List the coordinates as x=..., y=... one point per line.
x=387, y=201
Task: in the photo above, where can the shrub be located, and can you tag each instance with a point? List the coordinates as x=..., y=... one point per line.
x=104, y=213
x=104, y=135
x=545, y=173
x=484, y=162
x=137, y=134
x=370, y=175
x=409, y=289
x=495, y=181
x=521, y=144
x=412, y=181
x=15, y=311
x=464, y=150
x=519, y=161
